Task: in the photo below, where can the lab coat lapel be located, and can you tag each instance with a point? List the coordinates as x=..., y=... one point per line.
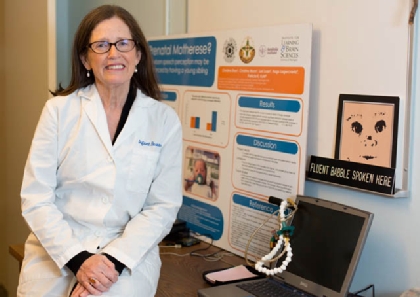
x=94, y=109
x=136, y=118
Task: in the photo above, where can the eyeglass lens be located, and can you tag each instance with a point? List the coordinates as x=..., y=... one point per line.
x=123, y=45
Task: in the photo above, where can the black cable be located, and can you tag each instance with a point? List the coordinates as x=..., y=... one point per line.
x=195, y=253
x=206, y=248
x=365, y=289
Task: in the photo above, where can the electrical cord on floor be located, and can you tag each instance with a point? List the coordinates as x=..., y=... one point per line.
x=175, y=254
x=212, y=257
x=365, y=289
x=216, y=256
x=175, y=245
x=210, y=244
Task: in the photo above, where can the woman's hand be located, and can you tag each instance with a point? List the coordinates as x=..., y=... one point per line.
x=97, y=274
x=79, y=291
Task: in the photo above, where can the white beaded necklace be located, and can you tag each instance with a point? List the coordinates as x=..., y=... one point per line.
x=283, y=240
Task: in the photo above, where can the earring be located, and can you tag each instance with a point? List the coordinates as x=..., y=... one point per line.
x=135, y=69
x=88, y=73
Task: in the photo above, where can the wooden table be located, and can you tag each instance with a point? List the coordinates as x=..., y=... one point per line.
x=180, y=276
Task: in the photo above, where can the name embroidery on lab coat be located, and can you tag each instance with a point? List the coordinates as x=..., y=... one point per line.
x=152, y=143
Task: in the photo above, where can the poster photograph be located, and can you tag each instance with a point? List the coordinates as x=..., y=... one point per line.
x=367, y=129
x=201, y=176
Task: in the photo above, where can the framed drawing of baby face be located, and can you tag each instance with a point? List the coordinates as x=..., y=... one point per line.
x=367, y=129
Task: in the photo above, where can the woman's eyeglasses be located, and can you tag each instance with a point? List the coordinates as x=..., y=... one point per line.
x=102, y=47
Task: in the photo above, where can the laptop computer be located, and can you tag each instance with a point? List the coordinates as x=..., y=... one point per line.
x=327, y=243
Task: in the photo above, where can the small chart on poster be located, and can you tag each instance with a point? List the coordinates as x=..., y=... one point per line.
x=206, y=118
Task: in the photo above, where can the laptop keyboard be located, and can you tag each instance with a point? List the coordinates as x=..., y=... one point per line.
x=269, y=288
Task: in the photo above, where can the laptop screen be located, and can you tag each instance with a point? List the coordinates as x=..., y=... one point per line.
x=327, y=242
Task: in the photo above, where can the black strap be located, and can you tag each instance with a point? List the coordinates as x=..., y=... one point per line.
x=118, y=265
x=131, y=96
x=77, y=261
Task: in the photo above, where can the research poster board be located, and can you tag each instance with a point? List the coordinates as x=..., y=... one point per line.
x=243, y=100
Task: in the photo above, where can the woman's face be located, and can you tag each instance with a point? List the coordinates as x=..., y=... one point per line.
x=114, y=68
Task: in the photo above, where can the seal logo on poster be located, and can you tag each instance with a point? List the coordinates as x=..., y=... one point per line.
x=229, y=49
x=247, y=51
x=262, y=50
x=267, y=50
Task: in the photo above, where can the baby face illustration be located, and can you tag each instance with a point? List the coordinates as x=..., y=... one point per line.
x=367, y=133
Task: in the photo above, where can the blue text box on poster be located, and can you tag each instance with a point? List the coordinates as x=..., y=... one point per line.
x=266, y=166
x=268, y=144
x=202, y=218
x=185, y=61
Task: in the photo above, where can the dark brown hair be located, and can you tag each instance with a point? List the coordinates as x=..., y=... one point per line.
x=144, y=79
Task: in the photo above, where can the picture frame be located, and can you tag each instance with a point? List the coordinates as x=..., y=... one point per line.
x=367, y=129
x=201, y=173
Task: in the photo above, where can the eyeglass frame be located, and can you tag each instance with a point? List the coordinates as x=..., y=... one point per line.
x=112, y=44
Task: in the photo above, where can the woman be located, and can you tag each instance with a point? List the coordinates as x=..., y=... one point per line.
x=102, y=183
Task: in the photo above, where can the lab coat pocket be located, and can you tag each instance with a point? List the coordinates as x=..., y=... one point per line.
x=142, y=169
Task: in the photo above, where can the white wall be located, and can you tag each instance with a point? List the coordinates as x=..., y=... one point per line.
x=391, y=256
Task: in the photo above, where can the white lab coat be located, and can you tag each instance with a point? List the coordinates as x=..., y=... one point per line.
x=80, y=192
